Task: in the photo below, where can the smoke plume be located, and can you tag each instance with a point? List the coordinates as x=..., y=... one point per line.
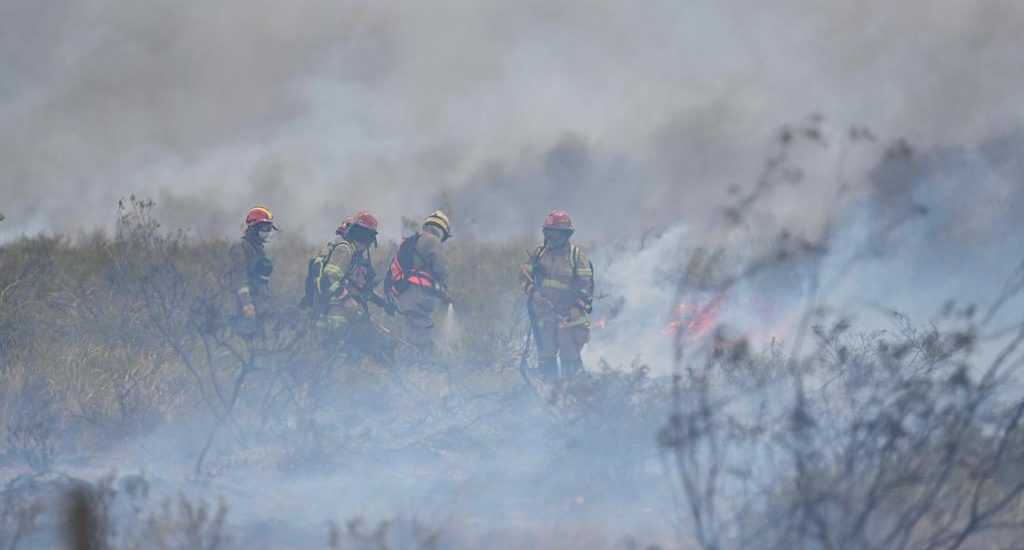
x=628, y=116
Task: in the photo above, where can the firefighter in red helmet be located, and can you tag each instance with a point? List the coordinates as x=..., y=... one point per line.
x=348, y=276
x=250, y=270
x=558, y=280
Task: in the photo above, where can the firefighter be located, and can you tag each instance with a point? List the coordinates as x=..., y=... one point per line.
x=315, y=298
x=249, y=272
x=417, y=280
x=558, y=281
x=348, y=276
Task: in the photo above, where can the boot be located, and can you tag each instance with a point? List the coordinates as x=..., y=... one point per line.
x=548, y=369
x=571, y=369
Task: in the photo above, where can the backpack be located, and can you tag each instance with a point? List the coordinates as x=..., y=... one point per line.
x=314, y=275
x=401, y=267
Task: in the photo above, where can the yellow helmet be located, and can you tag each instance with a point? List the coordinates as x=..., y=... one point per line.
x=440, y=220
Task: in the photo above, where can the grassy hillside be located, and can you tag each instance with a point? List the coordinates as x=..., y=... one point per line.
x=117, y=350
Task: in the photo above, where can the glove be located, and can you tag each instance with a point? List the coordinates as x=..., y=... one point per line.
x=584, y=305
x=249, y=311
x=575, y=318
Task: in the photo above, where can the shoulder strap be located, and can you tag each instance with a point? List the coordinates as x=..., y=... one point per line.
x=403, y=248
x=535, y=258
x=366, y=261
x=415, y=249
x=321, y=262
x=330, y=250
x=352, y=261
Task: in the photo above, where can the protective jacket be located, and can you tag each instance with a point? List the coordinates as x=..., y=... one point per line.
x=426, y=287
x=564, y=278
x=347, y=282
x=559, y=285
x=249, y=273
x=425, y=265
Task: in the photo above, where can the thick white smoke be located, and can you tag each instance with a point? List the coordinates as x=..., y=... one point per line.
x=321, y=107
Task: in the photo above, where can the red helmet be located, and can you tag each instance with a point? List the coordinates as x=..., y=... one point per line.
x=365, y=219
x=343, y=226
x=259, y=214
x=558, y=219
x=363, y=228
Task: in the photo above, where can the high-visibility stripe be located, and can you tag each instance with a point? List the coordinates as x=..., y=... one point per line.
x=421, y=278
x=334, y=271
x=574, y=261
x=583, y=321
x=440, y=220
x=243, y=290
x=417, y=280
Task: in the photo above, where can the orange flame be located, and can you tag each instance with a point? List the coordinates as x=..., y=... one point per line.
x=692, y=322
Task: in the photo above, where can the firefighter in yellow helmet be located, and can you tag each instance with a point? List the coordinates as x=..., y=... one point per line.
x=418, y=280
x=559, y=283
x=249, y=272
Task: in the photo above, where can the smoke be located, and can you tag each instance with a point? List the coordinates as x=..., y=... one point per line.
x=506, y=466
x=645, y=122
x=921, y=230
x=627, y=116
